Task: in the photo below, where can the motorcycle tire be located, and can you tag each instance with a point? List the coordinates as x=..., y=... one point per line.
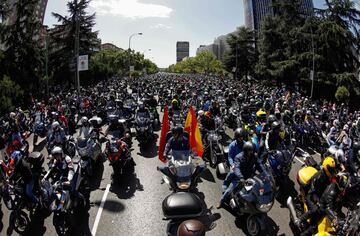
x=20, y=221
x=253, y=226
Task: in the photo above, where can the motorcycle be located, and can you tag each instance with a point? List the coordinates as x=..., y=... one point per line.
x=40, y=130
x=184, y=171
x=120, y=158
x=144, y=128
x=214, y=151
x=255, y=199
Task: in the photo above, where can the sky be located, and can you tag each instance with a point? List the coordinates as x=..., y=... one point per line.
x=162, y=22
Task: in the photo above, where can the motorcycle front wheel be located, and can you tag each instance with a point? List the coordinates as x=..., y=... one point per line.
x=62, y=224
x=253, y=226
x=20, y=220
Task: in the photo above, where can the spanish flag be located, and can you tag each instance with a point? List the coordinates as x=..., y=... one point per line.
x=192, y=128
x=165, y=128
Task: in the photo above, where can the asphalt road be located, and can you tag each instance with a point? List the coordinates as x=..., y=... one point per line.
x=133, y=207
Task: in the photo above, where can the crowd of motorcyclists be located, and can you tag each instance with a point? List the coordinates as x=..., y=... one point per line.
x=270, y=124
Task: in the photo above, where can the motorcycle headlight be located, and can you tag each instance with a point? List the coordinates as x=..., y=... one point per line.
x=264, y=207
x=183, y=185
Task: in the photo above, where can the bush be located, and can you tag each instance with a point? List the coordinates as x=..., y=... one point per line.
x=342, y=94
x=10, y=94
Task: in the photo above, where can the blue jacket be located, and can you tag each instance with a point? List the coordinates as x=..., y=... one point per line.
x=234, y=149
x=246, y=168
x=181, y=145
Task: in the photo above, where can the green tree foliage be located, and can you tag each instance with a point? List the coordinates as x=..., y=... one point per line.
x=10, y=94
x=62, y=39
x=23, y=54
x=242, y=52
x=342, y=94
x=108, y=63
x=203, y=63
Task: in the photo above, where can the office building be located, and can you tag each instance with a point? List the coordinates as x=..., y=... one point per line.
x=182, y=50
x=255, y=11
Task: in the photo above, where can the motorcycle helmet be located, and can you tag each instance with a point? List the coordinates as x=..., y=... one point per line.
x=329, y=166
x=84, y=120
x=248, y=149
x=208, y=114
x=276, y=126
x=15, y=158
x=201, y=113
x=240, y=133
x=341, y=181
x=179, y=130
x=261, y=114
x=55, y=126
x=271, y=119
x=57, y=152
x=191, y=228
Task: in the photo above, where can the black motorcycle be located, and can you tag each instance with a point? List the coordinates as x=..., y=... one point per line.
x=144, y=127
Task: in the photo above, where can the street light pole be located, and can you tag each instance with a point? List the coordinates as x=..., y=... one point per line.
x=313, y=62
x=236, y=71
x=77, y=42
x=46, y=63
x=130, y=50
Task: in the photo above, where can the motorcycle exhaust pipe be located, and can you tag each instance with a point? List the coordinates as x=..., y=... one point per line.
x=290, y=205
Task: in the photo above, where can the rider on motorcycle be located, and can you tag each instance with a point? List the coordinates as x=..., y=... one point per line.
x=330, y=201
x=56, y=136
x=235, y=148
x=246, y=164
x=178, y=142
x=318, y=184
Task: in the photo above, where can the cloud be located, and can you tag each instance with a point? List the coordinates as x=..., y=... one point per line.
x=130, y=9
x=160, y=26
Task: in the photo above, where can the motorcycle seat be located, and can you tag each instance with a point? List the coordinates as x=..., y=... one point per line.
x=182, y=205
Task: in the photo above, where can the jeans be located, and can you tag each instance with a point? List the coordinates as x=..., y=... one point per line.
x=229, y=190
x=229, y=177
x=29, y=192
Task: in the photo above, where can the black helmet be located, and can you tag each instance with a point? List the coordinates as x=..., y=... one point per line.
x=248, y=147
x=240, y=132
x=191, y=228
x=276, y=125
x=178, y=130
x=271, y=118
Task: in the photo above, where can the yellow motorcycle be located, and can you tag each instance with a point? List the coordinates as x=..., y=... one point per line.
x=349, y=227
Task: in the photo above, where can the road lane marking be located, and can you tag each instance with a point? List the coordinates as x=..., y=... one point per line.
x=98, y=216
x=299, y=160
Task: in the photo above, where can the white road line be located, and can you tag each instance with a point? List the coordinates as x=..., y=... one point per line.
x=98, y=216
x=299, y=160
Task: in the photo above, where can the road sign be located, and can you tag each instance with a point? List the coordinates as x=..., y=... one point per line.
x=311, y=75
x=83, y=63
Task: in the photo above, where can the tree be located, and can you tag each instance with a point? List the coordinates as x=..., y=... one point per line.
x=342, y=94
x=203, y=63
x=242, y=55
x=10, y=95
x=62, y=39
x=21, y=40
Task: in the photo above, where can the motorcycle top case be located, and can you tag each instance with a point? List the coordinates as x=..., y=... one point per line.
x=182, y=205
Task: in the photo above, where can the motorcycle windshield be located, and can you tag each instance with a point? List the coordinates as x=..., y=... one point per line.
x=181, y=155
x=142, y=118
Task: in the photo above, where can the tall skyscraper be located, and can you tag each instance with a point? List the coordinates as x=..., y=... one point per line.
x=256, y=10
x=182, y=50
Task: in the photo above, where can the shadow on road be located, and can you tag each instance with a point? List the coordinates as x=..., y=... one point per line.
x=81, y=223
x=207, y=175
x=40, y=146
x=111, y=206
x=149, y=150
x=284, y=192
x=36, y=226
x=1, y=217
x=127, y=186
x=95, y=180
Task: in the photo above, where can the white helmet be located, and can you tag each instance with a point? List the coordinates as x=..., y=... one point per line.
x=201, y=113
x=55, y=125
x=84, y=119
x=57, y=150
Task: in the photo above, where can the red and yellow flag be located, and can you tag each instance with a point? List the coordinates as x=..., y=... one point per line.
x=191, y=126
x=165, y=128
